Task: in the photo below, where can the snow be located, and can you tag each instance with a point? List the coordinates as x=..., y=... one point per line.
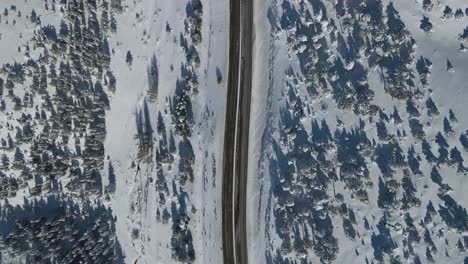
x=15, y=33
x=208, y=108
x=258, y=123
x=142, y=30
x=273, y=56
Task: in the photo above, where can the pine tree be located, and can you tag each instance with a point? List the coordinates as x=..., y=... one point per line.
x=112, y=178
x=129, y=58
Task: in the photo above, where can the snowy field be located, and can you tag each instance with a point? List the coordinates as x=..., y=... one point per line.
x=341, y=171
x=203, y=194
x=112, y=123
x=117, y=107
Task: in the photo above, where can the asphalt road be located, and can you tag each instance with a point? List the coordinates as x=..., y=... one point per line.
x=236, y=137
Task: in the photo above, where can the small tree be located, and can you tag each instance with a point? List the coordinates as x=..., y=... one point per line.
x=426, y=25
x=5, y=161
x=129, y=58
x=112, y=178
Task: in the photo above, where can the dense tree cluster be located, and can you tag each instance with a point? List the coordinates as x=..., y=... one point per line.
x=58, y=229
x=194, y=20
x=73, y=61
x=303, y=178
x=389, y=155
x=55, y=135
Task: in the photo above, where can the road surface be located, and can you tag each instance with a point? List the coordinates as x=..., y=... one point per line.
x=236, y=137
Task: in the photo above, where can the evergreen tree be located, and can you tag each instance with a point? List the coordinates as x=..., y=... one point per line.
x=111, y=177
x=129, y=58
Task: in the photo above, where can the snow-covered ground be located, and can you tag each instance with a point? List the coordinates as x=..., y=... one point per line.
x=166, y=198
x=145, y=37
x=276, y=58
x=357, y=145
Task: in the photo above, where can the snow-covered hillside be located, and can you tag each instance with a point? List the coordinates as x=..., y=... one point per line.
x=55, y=85
x=112, y=117
x=165, y=139
x=111, y=126
x=362, y=137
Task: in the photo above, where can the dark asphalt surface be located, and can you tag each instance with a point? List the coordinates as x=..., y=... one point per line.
x=236, y=137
